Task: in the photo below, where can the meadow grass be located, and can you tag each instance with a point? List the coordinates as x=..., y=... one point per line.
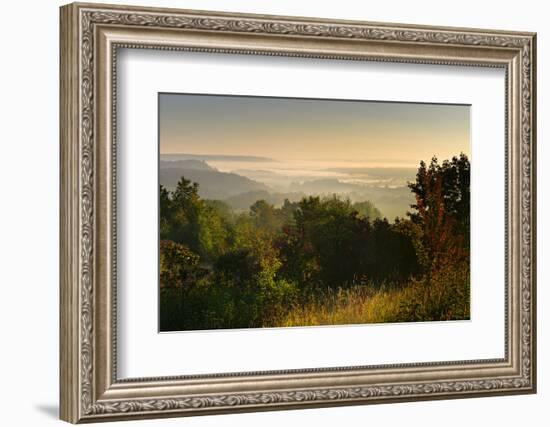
x=442, y=295
x=360, y=304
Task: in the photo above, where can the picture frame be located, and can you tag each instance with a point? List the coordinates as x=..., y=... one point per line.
x=91, y=37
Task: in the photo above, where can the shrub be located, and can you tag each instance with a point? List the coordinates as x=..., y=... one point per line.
x=443, y=294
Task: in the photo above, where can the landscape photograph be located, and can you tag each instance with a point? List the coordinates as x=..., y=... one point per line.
x=297, y=212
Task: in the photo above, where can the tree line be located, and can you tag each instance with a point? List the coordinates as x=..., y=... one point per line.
x=221, y=269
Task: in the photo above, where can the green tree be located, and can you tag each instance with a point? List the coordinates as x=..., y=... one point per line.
x=452, y=180
x=319, y=248
x=182, y=216
x=180, y=279
x=178, y=265
x=265, y=216
x=440, y=228
x=389, y=254
x=286, y=212
x=166, y=213
x=259, y=295
x=367, y=209
x=222, y=209
x=332, y=245
x=186, y=218
x=442, y=210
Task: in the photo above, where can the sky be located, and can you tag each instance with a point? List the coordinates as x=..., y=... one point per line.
x=374, y=133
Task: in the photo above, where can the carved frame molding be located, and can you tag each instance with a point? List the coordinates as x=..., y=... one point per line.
x=90, y=37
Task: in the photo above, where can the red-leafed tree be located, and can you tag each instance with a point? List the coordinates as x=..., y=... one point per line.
x=442, y=206
x=440, y=221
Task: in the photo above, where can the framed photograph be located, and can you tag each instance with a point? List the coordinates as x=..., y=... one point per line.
x=265, y=212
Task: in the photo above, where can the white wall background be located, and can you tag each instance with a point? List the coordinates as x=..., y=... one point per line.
x=29, y=171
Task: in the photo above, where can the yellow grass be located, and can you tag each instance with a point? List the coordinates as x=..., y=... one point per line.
x=348, y=306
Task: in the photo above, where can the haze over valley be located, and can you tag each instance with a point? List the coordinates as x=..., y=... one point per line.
x=241, y=180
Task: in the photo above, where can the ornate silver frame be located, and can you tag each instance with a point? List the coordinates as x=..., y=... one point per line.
x=90, y=36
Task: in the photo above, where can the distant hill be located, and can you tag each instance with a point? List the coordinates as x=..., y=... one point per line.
x=212, y=183
x=240, y=192
x=186, y=164
x=214, y=157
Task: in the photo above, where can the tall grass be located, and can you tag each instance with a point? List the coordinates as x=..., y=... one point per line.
x=441, y=295
x=360, y=304
x=434, y=298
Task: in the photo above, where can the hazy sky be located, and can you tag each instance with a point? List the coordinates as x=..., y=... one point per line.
x=377, y=133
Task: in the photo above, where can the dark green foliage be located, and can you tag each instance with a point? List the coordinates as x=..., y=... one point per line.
x=221, y=269
x=443, y=294
x=453, y=178
x=243, y=201
x=221, y=208
x=265, y=216
x=331, y=246
x=390, y=255
x=179, y=267
x=186, y=218
x=368, y=210
x=317, y=249
x=180, y=275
